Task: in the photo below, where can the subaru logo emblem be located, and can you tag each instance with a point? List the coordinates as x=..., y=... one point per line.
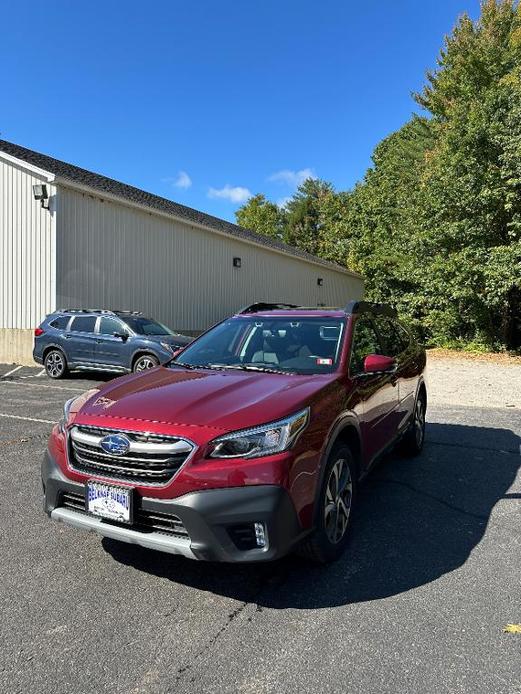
x=115, y=444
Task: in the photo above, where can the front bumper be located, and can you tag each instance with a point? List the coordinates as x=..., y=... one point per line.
x=211, y=519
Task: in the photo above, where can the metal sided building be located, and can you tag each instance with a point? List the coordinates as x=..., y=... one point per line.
x=73, y=238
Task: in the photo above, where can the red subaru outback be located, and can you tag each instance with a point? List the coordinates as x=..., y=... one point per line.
x=249, y=443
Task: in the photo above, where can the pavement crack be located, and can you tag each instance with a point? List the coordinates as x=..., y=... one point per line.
x=181, y=671
x=277, y=577
x=24, y=439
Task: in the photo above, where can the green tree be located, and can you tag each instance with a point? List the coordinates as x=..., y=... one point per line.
x=305, y=223
x=381, y=219
x=435, y=225
x=471, y=203
x=262, y=216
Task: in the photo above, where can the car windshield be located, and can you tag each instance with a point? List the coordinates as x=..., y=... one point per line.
x=147, y=326
x=294, y=345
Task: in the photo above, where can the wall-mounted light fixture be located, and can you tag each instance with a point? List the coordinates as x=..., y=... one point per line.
x=40, y=193
x=236, y=262
x=320, y=281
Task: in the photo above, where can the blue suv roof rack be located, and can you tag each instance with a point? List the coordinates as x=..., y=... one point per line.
x=100, y=310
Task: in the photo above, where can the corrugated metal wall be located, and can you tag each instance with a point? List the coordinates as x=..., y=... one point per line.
x=111, y=255
x=27, y=250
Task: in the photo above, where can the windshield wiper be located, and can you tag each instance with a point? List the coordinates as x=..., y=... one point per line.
x=171, y=362
x=252, y=367
x=237, y=367
x=196, y=367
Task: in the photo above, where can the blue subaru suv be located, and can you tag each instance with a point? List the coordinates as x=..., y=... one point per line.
x=100, y=340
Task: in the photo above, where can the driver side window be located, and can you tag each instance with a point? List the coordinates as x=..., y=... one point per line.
x=365, y=341
x=109, y=326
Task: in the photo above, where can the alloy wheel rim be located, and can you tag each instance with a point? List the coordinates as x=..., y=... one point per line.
x=145, y=363
x=339, y=494
x=55, y=364
x=419, y=422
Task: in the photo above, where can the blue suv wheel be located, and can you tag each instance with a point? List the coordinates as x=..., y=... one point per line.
x=145, y=362
x=55, y=364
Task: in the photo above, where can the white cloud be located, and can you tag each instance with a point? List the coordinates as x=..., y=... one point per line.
x=293, y=179
x=182, y=180
x=234, y=194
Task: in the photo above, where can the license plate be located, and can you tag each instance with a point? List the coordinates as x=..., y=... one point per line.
x=108, y=501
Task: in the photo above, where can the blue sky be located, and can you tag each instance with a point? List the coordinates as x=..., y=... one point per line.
x=205, y=102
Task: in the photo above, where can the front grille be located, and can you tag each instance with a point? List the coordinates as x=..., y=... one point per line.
x=150, y=459
x=74, y=501
x=144, y=520
x=160, y=523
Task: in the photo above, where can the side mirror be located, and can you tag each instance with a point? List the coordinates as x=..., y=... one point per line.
x=122, y=336
x=378, y=363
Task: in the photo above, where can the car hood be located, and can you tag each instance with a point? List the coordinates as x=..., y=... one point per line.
x=225, y=400
x=176, y=340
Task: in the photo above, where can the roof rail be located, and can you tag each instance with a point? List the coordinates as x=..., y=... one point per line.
x=116, y=312
x=369, y=307
x=83, y=310
x=264, y=306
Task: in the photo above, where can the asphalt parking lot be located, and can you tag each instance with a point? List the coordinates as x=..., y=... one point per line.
x=417, y=605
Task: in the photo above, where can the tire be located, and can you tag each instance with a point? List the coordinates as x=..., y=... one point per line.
x=413, y=439
x=145, y=362
x=55, y=364
x=335, y=509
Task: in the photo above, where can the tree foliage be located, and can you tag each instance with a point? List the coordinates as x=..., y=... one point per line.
x=435, y=225
x=262, y=216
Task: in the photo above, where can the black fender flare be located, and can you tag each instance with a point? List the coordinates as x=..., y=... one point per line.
x=346, y=420
x=140, y=352
x=52, y=346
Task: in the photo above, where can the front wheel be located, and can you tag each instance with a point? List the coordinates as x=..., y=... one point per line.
x=145, y=362
x=336, y=502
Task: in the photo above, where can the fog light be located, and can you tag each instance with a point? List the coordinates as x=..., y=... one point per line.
x=260, y=534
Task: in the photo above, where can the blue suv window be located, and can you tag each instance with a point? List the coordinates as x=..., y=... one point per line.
x=60, y=323
x=146, y=326
x=83, y=324
x=109, y=326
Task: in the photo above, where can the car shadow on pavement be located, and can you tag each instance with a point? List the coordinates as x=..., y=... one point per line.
x=417, y=519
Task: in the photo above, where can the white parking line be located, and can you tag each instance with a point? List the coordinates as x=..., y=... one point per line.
x=38, y=375
x=26, y=419
x=16, y=368
x=38, y=385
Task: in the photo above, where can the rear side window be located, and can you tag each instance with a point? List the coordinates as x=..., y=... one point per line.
x=393, y=340
x=109, y=326
x=365, y=342
x=60, y=323
x=83, y=324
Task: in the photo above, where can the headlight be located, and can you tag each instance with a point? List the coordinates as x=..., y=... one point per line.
x=258, y=441
x=169, y=348
x=65, y=417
